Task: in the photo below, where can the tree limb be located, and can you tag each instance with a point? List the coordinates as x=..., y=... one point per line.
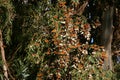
x=5, y=68
x=82, y=8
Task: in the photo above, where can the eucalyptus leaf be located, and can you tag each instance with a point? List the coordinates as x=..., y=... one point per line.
x=91, y=59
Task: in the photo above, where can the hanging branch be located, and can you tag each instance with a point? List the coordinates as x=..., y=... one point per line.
x=82, y=8
x=5, y=68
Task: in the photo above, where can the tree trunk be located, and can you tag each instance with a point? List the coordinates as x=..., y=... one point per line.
x=107, y=36
x=5, y=68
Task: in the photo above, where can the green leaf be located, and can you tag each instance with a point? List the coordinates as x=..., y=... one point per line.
x=91, y=59
x=75, y=1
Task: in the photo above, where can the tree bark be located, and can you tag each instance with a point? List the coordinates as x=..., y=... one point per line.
x=107, y=36
x=5, y=68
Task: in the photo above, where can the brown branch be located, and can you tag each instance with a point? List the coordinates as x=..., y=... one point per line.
x=14, y=53
x=5, y=68
x=82, y=8
x=10, y=75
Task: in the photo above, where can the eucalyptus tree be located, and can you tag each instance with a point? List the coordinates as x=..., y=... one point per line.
x=57, y=39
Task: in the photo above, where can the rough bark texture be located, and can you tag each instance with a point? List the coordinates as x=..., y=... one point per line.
x=5, y=69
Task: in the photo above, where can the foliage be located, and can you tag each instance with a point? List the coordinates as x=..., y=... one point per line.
x=50, y=42
x=6, y=18
x=20, y=69
x=61, y=53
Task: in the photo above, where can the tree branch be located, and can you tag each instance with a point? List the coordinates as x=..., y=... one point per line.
x=5, y=68
x=82, y=8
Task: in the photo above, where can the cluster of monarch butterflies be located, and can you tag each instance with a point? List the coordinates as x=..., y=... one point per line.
x=66, y=49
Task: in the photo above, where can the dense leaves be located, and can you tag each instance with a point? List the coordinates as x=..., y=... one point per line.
x=52, y=40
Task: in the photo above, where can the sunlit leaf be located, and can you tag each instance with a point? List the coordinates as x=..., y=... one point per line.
x=91, y=59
